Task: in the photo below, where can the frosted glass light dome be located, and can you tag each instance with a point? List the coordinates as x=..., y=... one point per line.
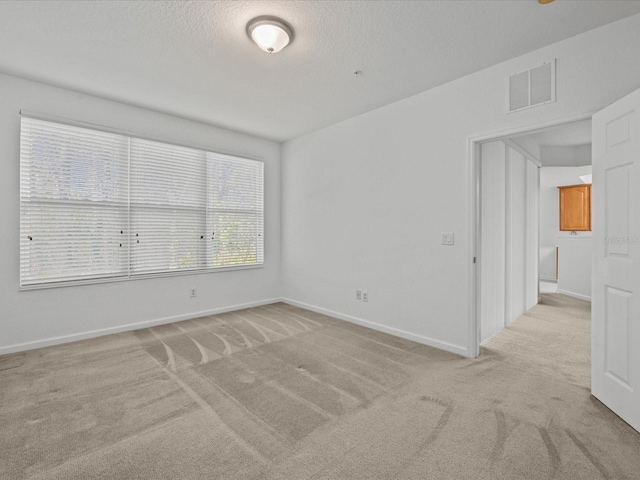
x=269, y=33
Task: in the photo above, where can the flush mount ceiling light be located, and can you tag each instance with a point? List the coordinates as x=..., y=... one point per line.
x=271, y=34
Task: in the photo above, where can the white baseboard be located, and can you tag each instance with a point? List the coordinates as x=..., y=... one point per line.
x=548, y=279
x=47, y=342
x=574, y=295
x=450, y=347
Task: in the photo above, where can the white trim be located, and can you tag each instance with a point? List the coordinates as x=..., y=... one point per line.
x=487, y=340
x=548, y=279
x=450, y=347
x=473, y=342
x=574, y=295
x=47, y=342
x=535, y=128
x=134, y=277
x=516, y=146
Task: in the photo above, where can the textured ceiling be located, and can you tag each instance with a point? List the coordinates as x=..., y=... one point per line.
x=193, y=59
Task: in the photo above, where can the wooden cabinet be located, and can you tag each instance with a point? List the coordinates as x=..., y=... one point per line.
x=575, y=208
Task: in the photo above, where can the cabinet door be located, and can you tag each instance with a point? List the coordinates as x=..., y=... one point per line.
x=575, y=208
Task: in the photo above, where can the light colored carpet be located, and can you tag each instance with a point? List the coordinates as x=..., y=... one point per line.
x=277, y=392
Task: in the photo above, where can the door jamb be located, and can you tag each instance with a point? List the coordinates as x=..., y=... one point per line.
x=473, y=154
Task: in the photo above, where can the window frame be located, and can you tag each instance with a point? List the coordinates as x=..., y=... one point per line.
x=129, y=274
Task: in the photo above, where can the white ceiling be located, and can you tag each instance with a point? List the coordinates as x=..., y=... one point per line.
x=569, y=156
x=568, y=135
x=567, y=145
x=194, y=59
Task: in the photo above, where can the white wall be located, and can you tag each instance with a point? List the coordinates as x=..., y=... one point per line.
x=566, y=156
x=574, y=266
x=550, y=179
x=365, y=200
x=30, y=319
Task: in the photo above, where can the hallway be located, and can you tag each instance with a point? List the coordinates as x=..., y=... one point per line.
x=550, y=345
x=553, y=338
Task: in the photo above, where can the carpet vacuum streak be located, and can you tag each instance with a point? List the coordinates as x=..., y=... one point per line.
x=278, y=392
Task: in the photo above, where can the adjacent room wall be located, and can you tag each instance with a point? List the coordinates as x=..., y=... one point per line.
x=550, y=179
x=574, y=266
x=29, y=319
x=576, y=257
x=365, y=201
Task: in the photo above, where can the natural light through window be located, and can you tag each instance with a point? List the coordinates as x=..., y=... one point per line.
x=97, y=206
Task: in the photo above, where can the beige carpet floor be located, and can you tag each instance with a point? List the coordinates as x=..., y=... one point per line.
x=278, y=392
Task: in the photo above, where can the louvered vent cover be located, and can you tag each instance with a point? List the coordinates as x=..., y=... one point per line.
x=533, y=87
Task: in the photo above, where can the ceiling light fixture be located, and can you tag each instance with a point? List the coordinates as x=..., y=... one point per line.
x=271, y=34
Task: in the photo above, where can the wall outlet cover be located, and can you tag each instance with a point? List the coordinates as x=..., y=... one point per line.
x=447, y=238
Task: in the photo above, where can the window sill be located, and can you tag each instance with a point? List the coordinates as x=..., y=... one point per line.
x=102, y=280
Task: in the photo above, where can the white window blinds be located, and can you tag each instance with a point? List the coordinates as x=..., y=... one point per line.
x=73, y=203
x=96, y=205
x=234, y=211
x=168, y=197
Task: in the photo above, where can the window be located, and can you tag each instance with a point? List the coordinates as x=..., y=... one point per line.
x=96, y=206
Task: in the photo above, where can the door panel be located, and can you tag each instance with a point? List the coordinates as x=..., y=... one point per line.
x=617, y=320
x=617, y=197
x=493, y=224
x=509, y=217
x=615, y=368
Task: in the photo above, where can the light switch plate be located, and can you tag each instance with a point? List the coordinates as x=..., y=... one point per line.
x=447, y=238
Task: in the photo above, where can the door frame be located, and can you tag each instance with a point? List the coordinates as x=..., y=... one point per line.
x=474, y=253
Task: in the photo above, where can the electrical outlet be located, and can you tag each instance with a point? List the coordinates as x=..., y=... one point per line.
x=193, y=292
x=447, y=238
x=365, y=296
x=358, y=294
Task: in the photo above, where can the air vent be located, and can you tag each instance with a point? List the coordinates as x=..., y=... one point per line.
x=533, y=87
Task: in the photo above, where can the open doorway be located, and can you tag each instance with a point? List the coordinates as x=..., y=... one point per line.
x=522, y=250
x=509, y=204
x=612, y=319
x=564, y=154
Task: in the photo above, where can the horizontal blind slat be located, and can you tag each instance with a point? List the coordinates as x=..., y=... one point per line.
x=73, y=203
x=101, y=205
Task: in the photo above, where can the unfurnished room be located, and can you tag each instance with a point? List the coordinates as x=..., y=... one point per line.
x=320, y=239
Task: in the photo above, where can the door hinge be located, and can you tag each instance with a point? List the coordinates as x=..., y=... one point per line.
x=474, y=259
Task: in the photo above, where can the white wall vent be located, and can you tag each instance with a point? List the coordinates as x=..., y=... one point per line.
x=533, y=87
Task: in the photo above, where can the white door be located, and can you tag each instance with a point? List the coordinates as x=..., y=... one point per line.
x=492, y=239
x=509, y=185
x=615, y=342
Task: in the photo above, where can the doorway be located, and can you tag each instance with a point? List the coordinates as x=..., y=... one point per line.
x=507, y=270
x=615, y=249
x=509, y=226
x=565, y=253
